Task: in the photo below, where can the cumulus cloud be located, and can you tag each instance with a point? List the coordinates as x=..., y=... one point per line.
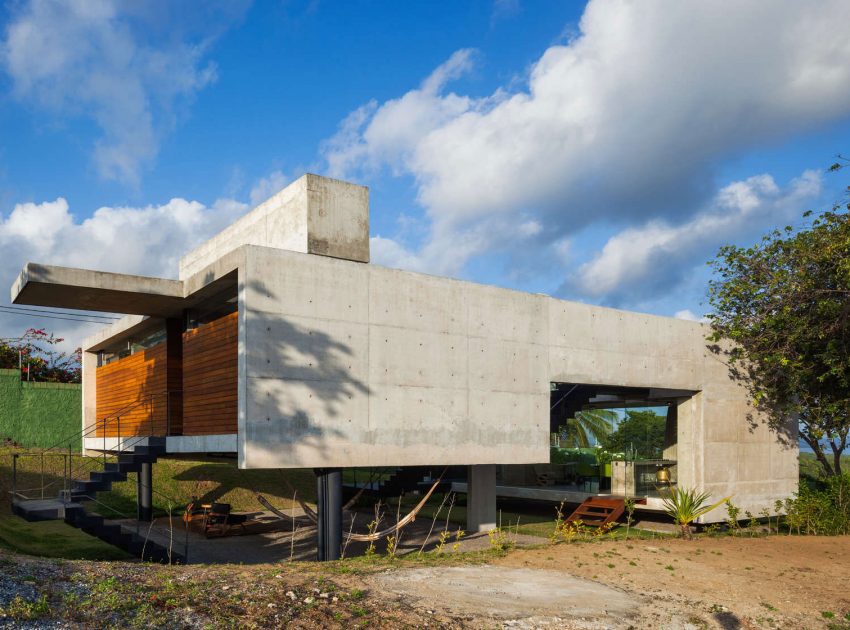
x=622, y=123
x=268, y=186
x=128, y=67
x=688, y=315
x=653, y=257
x=373, y=136
x=145, y=240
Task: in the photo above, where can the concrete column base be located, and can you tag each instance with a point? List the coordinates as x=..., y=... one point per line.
x=481, y=498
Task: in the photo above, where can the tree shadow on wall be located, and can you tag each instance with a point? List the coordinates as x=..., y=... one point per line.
x=301, y=387
x=785, y=429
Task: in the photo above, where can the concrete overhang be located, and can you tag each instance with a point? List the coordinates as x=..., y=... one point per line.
x=87, y=290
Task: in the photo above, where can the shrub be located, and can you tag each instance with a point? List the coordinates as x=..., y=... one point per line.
x=685, y=506
x=823, y=511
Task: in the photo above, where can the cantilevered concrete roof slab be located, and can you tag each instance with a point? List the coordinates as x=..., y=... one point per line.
x=84, y=289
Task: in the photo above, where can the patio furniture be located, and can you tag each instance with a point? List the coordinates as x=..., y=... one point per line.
x=219, y=520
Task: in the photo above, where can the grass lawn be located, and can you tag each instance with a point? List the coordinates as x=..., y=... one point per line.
x=175, y=482
x=54, y=539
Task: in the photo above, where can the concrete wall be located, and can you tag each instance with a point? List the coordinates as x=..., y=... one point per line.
x=38, y=414
x=313, y=215
x=357, y=365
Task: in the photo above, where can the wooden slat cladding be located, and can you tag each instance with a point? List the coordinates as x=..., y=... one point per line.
x=209, y=377
x=137, y=381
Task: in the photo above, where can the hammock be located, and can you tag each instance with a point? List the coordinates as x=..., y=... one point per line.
x=307, y=511
x=411, y=516
x=374, y=536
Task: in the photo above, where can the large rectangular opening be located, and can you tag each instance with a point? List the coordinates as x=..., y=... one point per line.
x=605, y=440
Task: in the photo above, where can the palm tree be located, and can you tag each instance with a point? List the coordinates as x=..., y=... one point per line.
x=587, y=424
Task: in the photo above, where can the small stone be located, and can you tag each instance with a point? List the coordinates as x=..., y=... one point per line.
x=290, y=595
x=334, y=599
x=324, y=595
x=309, y=600
x=279, y=576
x=271, y=605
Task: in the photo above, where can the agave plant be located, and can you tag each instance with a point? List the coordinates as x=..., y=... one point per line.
x=587, y=426
x=685, y=506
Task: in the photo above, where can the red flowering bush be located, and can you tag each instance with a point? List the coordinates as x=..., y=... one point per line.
x=36, y=354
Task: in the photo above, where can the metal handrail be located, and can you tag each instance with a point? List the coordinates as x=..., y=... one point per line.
x=122, y=445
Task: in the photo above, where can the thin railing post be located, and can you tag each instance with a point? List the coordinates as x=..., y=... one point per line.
x=119, y=443
x=14, y=477
x=42, y=474
x=186, y=542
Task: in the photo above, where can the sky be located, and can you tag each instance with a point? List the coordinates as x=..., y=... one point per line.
x=598, y=152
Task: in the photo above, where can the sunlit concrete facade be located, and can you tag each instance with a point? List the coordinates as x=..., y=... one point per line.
x=342, y=363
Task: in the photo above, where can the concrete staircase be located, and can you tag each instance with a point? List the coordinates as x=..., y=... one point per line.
x=68, y=505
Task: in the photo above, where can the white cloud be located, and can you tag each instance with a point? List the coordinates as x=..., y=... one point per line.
x=690, y=316
x=148, y=241
x=372, y=136
x=268, y=186
x=624, y=122
x=128, y=67
x=654, y=256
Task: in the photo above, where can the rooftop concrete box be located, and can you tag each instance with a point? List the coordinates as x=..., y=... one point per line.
x=312, y=215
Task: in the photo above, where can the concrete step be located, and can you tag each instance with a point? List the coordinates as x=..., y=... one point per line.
x=43, y=509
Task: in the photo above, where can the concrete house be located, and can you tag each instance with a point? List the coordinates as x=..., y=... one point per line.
x=279, y=342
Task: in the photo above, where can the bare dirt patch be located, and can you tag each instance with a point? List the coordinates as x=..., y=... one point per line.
x=503, y=593
x=771, y=582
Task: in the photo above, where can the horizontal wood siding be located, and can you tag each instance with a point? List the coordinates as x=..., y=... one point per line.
x=209, y=377
x=133, y=388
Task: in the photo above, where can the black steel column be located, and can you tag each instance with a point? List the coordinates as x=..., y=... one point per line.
x=329, y=507
x=144, y=492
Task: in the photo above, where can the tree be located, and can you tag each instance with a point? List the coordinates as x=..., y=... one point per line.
x=586, y=426
x=783, y=308
x=641, y=432
x=35, y=353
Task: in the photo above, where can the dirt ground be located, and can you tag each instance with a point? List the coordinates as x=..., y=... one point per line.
x=766, y=582
x=716, y=583
x=710, y=582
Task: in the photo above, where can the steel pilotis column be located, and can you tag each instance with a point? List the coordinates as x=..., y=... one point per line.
x=329, y=505
x=144, y=492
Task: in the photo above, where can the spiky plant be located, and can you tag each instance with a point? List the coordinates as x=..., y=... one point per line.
x=686, y=505
x=587, y=425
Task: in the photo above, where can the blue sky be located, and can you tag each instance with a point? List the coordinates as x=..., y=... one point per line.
x=596, y=152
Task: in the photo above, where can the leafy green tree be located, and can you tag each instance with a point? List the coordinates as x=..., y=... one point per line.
x=35, y=353
x=586, y=427
x=641, y=432
x=784, y=304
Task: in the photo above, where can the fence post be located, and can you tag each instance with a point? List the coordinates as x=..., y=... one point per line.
x=14, y=477
x=42, y=474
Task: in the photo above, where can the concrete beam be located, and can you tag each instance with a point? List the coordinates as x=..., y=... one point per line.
x=87, y=290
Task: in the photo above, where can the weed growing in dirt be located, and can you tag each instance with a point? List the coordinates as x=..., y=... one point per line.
x=21, y=609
